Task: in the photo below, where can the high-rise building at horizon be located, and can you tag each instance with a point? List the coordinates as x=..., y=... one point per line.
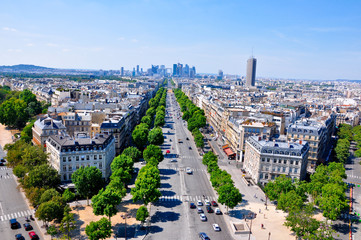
x=220, y=75
x=137, y=69
x=122, y=71
x=251, y=72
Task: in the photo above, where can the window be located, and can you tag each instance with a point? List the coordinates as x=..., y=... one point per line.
x=279, y=169
x=295, y=170
x=263, y=159
x=87, y=157
x=266, y=176
x=77, y=166
x=69, y=176
x=64, y=159
x=261, y=176
x=290, y=170
x=291, y=162
x=95, y=157
x=274, y=160
x=284, y=161
x=100, y=165
x=283, y=169
x=69, y=159
x=64, y=168
x=279, y=161
x=64, y=177
x=268, y=159
x=83, y=158
x=100, y=156
x=296, y=162
x=77, y=158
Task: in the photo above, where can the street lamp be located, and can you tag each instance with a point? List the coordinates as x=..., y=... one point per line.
x=125, y=216
x=250, y=228
x=269, y=235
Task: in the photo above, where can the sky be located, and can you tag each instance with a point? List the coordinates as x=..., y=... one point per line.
x=299, y=39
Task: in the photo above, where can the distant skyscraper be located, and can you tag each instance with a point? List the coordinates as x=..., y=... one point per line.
x=251, y=72
x=174, y=69
x=220, y=75
x=122, y=71
x=133, y=73
x=137, y=69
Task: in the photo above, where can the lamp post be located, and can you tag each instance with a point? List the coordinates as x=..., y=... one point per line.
x=269, y=235
x=125, y=216
x=250, y=229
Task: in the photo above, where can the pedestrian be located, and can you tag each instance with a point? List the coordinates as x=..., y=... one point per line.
x=259, y=211
x=262, y=225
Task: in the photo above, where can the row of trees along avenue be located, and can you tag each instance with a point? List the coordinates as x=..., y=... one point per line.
x=325, y=192
x=221, y=181
x=193, y=115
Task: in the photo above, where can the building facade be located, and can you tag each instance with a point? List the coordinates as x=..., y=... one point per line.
x=45, y=127
x=251, y=72
x=68, y=154
x=266, y=160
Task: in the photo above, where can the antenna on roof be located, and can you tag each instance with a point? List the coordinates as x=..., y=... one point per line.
x=252, y=51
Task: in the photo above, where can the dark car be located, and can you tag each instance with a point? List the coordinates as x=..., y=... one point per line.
x=28, y=227
x=19, y=237
x=13, y=223
x=2, y=164
x=190, y=148
x=33, y=235
x=203, y=236
x=214, y=204
x=209, y=209
x=192, y=205
x=2, y=160
x=187, y=138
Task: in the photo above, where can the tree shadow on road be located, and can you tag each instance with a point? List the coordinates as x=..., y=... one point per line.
x=168, y=216
x=168, y=203
x=165, y=185
x=164, y=171
x=167, y=193
x=241, y=213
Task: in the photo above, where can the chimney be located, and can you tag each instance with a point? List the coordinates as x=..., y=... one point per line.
x=259, y=138
x=301, y=142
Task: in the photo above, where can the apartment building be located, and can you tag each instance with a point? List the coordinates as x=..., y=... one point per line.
x=45, y=127
x=266, y=160
x=76, y=123
x=67, y=154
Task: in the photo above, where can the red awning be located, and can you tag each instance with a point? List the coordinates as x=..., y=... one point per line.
x=228, y=151
x=168, y=151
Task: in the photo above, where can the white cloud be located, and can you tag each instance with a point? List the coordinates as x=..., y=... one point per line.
x=65, y=50
x=121, y=38
x=135, y=40
x=14, y=50
x=52, y=45
x=9, y=29
x=30, y=44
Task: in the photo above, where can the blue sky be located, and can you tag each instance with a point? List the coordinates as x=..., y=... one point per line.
x=290, y=39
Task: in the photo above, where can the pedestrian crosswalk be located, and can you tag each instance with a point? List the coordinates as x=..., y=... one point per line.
x=184, y=169
x=353, y=176
x=19, y=214
x=5, y=177
x=3, y=168
x=186, y=198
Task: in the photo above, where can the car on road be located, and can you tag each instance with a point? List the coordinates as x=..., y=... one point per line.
x=187, y=138
x=190, y=148
x=209, y=209
x=2, y=160
x=218, y=211
x=192, y=205
x=33, y=235
x=214, y=204
x=14, y=223
x=216, y=227
x=19, y=237
x=199, y=210
x=199, y=203
x=188, y=170
x=207, y=202
x=203, y=217
x=243, y=171
x=28, y=227
x=203, y=236
x=2, y=164
x=173, y=160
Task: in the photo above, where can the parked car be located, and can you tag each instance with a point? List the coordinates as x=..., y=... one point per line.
x=187, y=138
x=216, y=227
x=203, y=236
x=218, y=211
x=14, y=223
x=188, y=170
x=199, y=203
x=203, y=217
x=214, y=204
x=199, y=210
x=207, y=202
x=28, y=227
x=2, y=160
x=33, y=235
x=19, y=237
x=209, y=209
x=173, y=160
x=190, y=148
x=2, y=164
x=192, y=205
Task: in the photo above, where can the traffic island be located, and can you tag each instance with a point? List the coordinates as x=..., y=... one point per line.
x=240, y=227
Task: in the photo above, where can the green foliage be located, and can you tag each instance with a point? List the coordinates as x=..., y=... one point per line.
x=13, y=113
x=33, y=194
x=229, y=195
x=147, y=120
x=281, y=184
x=122, y=161
x=20, y=171
x=345, y=131
x=142, y=214
x=49, y=195
x=133, y=152
x=106, y=201
x=68, y=195
x=48, y=211
x=120, y=178
x=43, y=176
x=155, y=136
x=140, y=135
x=146, y=185
x=342, y=150
x=88, y=181
x=301, y=222
x=220, y=177
x=289, y=201
x=67, y=223
x=153, y=151
x=52, y=230
x=101, y=229
x=27, y=132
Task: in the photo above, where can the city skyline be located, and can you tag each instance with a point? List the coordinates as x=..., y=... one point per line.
x=298, y=40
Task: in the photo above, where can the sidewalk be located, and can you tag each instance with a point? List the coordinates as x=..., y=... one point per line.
x=253, y=202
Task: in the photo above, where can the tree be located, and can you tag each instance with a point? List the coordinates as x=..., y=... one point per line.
x=147, y=120
x=140, y=135
x=281, y=184
x=155, y=136
x=229, y=195
x=15, y=152
x=67, y=223
x=142, y=214
x=151, y=112
x=146, y=185
x=27, y=132
x=34, y=156
x=27, y=96
x=101, y=229
x=48, y=195
x=219, y=178
x=20, y=171
x=52, y=231
x=289, y=201
x=301, y=222
x=106, y=201
x=42, y=176
x=122, y=176
x=133, y=152
x=13, y=113
x=34, y=195
x=88, y=181
x=153, y=151
x=159, y=119
x=122, y=161
x=48, y=211
x=68, y=195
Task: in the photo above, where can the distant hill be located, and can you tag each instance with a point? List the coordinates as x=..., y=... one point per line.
x=24, y=68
